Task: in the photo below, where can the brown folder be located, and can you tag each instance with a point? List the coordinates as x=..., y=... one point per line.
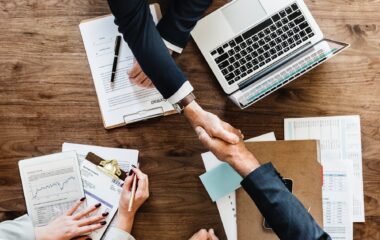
x=297, y=160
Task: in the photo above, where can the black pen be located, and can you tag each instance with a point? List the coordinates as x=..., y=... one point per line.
x=114, y=65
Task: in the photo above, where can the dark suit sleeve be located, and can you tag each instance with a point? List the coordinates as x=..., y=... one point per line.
x=285, y=214
x=180, y=19
x=135, y=22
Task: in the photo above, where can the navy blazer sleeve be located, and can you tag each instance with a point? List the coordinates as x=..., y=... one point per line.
x=135, y=22
x=180, y=19
x=285, y=214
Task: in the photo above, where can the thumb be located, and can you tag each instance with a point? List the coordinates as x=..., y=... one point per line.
x=203, y=136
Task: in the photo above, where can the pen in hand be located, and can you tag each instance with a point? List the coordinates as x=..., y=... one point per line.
x=133, y=190
x=116, y=56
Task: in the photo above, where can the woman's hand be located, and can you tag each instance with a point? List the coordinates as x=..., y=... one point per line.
x=124, y=217
x=203, y=234
x=72, y=225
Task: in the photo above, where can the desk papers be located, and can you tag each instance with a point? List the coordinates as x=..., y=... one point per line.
x=121, y=102
x=340, y=139
x=337, y=201
x=99, y=187
x=51, y=185
x=227, y=205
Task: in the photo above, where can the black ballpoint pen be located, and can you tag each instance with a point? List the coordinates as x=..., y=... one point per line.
x=114, y=65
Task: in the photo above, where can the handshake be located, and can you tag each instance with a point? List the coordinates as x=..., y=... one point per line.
x=225, y=141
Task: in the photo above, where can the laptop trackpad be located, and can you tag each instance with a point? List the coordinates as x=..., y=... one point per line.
x=243, y=13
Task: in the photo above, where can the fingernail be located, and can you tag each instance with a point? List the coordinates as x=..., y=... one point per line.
x=211, y=231
x=134, y=166
x=82, y=199
x=88, y=238
x=98, y=205
x=103, y=223
x=105, y=214
x=122, y=185
x=130, y=172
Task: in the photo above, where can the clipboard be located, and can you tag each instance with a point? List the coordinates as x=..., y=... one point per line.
x=149, y=109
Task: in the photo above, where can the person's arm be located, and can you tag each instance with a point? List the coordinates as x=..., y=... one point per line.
x=283, y=211
x=19, y=228
x=135, y=22
x=179, y=20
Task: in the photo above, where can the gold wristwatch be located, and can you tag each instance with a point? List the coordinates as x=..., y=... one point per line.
x=179, y=106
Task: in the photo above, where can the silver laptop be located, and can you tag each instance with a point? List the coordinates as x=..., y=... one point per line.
x=255, y=47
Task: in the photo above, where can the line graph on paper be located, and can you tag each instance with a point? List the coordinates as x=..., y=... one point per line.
x=52, y=190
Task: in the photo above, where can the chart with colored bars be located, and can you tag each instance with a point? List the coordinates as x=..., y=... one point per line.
x=52, y=189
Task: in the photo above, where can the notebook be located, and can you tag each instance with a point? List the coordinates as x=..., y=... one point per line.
x=296, y=160
x=121, y=102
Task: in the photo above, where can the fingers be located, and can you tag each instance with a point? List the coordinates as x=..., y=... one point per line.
x=230, y=128
x=135, y=70
x=75, y=207
x=228, y=135
x=90, y=228
x=128, y=183
x=143, y=183
x=212, y=235
x=87, y=211
x=92, y=220
x=200, y=235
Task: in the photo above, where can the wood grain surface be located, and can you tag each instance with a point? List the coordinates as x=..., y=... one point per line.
x=47, y=97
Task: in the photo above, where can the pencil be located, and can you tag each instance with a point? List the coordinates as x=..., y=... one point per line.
x=133, y=193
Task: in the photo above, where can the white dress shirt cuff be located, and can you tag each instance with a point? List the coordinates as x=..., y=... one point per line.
x=117, y=234
x=181, y=93
x=173, y=47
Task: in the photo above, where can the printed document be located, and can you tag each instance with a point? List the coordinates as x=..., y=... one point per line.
x=51, y=185
x=98, y=186
x=340, y=141
x=337, y=201
x=121, y=101
x=227, y=205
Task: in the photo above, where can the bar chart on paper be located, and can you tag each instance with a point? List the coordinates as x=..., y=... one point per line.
x=51, y=185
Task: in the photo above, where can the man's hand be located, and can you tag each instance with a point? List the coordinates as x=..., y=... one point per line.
x=138, y=77
x=211, y=123
x=237, y=155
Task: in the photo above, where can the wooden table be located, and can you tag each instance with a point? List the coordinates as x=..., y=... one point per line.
x=47, y=97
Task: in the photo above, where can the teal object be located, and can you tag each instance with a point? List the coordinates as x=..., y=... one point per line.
x=221, y=181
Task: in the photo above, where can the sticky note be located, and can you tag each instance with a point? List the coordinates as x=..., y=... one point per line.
x=221, y=181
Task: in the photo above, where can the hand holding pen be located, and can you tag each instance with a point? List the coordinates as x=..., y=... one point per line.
x=125, y=217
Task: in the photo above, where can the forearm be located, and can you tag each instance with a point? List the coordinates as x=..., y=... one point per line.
x=180, y=19
x=20, y=228
x=285, y=214
x=136, y=24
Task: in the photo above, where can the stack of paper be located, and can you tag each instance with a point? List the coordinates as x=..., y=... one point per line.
x=340, y=141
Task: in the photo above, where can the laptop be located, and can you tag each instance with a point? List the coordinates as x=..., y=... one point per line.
x=255, y=47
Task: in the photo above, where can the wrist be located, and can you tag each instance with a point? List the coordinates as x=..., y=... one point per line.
x=245, y=163
x=125, y=221
x=193, y=111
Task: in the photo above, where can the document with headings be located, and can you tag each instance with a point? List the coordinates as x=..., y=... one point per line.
x=340, y=139
x=99, y=187
x=121, y=102
x=51, y=184
x=337, y=201
x=227, y=205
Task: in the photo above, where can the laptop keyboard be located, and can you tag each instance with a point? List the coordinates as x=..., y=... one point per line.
x=263, y=43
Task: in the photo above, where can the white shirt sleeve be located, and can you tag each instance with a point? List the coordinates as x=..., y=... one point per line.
x=20, y=228
x=181, y=93
x=173, y=47
x=114, y=233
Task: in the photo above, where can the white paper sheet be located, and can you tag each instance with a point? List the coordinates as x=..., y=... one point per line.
x=227, y=204
x=99, y=187
x=340, y=141
x=51, y=184
x=121, y=100
x=337, y=201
